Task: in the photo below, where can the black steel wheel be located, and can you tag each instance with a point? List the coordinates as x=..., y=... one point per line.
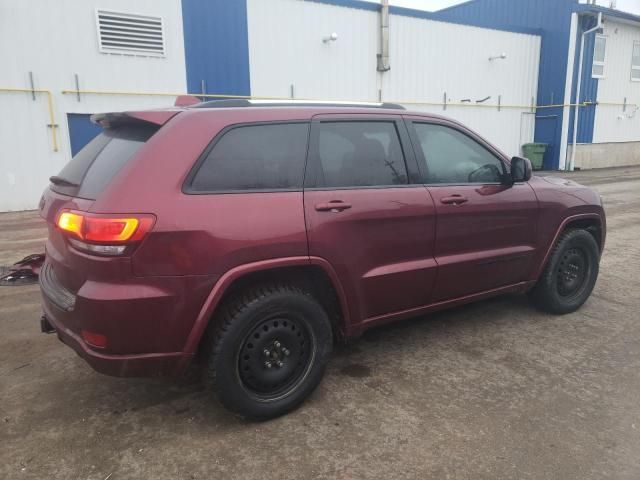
x=270, y=346
x=570, y=274
x=275, y=356
x=573, y=272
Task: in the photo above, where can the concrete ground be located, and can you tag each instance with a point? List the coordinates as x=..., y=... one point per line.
x=494, y=390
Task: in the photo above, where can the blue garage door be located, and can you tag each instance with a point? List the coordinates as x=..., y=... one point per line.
x=81, y=130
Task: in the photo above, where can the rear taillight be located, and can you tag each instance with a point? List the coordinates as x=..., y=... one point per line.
x=104, y=234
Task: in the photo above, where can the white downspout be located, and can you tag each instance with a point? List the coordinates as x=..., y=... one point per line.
x=383, y=56
x=576, y=116
x=563, y=160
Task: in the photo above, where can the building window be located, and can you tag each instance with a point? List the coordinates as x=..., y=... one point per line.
x=635, y=62
x=597, y=71
x=130, y=34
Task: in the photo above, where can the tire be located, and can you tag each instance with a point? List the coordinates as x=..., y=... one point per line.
x=270, y=348
x=570, y=274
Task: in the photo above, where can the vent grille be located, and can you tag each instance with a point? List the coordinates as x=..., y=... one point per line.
x=126, y=33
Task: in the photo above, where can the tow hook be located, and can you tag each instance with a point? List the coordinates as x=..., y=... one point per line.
x=45, y=326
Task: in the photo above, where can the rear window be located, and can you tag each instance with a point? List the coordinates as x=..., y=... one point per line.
x=93, y=167
x=255, y=157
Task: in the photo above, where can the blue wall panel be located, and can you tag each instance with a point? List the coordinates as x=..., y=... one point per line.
x=552, y=20
x=81, y=130
x=216, y=46
x=589, y=87
x=410, y=12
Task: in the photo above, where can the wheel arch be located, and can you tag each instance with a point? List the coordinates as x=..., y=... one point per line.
x=313, y=273
x=591, y=222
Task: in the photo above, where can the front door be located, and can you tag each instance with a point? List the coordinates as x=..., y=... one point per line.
x=485, y=235
x=368, y=213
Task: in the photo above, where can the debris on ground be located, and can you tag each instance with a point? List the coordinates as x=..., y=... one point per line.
x=23, y=272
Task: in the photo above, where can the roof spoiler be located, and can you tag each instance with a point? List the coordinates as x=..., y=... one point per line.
x=186, y=100
x=154, y=117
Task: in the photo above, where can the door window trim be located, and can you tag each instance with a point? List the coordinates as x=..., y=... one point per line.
x=414, y=178
x=421, y=160
x=187, y=188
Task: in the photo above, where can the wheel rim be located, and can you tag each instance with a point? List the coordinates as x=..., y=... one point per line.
x=573, y=272
x=275, y=357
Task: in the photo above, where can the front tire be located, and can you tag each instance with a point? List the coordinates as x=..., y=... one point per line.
x=270, y=348
x=570, y=274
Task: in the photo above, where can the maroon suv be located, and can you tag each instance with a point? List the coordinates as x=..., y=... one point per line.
x=255, y=235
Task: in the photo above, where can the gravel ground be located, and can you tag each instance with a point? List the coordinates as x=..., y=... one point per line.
x=488, y=391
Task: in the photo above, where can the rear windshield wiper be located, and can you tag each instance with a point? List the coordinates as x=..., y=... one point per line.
x=61, y=181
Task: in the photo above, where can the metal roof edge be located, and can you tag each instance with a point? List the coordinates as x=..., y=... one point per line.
x=410, y=12
x=607, y=12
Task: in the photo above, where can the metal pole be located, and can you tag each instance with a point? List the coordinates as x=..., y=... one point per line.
x=77, y=87
x=33, y=89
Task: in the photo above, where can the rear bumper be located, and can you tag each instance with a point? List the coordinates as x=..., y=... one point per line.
x=146, y=321
x=142, y=365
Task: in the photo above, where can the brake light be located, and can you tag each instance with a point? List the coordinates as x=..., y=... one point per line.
x=110, y=229
x=106, y=235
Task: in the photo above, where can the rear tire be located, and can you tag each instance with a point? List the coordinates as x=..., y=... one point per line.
x=270, y=347
x=570, y=274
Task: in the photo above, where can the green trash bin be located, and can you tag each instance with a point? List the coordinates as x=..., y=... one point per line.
x=535, y=153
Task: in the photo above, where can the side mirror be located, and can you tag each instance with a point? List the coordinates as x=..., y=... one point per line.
x=520, y=169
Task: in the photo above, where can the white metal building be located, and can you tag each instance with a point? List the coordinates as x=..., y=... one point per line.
x=616, y=130
x=427, y=60
x=89, y=56
x=44, y=45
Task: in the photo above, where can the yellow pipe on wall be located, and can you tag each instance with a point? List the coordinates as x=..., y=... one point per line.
x=52, y=120
x=251, y=97
x=405, y=102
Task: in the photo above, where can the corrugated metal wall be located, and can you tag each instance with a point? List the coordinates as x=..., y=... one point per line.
x=612, y=122
x=215, y=41
x=55, y=41
x=552, y=18
x=428, y=58
x=589, y=85
x=286, y=48
x=63, y=42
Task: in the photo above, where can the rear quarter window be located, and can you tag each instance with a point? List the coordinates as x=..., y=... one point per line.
x=93, y=167
x=254, y=157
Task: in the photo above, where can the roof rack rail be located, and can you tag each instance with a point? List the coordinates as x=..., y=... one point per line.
x=243, y=102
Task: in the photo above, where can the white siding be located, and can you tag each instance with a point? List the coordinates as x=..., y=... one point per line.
x=56, y=40
x=427, y=58
x=286, y=48
x=611, y=123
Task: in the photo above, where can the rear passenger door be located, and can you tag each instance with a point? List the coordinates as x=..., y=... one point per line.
x=368, y=213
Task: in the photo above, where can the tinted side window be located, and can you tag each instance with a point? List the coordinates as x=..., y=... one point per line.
x=93, y=167
x=255, y=157
x=359, y=154
x=453, y=157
